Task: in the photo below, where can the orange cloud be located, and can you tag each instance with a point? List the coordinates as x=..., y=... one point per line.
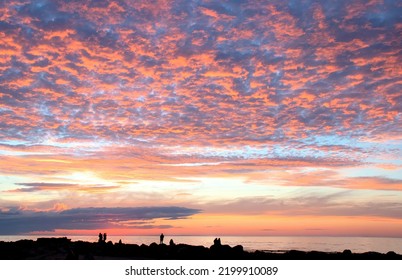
x=176, y=93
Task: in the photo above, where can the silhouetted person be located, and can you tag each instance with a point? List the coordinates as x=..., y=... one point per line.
x=100, y=238
x=104, y=237
x=161, y=238
x=217, y=242
x=171, y=242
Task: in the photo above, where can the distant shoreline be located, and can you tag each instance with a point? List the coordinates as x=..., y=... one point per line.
x=64, y=249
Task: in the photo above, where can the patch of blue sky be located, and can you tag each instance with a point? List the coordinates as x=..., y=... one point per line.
x=249, y=152
x=195, y=164
x=211, y=152
x=76, y=147
x=393, y=147
x=388, y=153
x=5, y=110
x=44, y=110
x=90, y=145
x=335, y=140
x=9, y=182
x=22, y=153
x=395, y=160
x=14, y=142
x=284, y=151
x=372, y=172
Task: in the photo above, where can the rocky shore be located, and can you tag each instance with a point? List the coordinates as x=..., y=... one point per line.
x=65, y=249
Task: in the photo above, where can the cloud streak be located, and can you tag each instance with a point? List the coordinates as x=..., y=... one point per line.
x=313, y=205
x=35, y=187
x=20, y=221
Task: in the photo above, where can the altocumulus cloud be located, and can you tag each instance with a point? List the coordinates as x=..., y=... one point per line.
x=14, y=221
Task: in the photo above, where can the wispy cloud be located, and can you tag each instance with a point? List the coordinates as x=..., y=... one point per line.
x=34, y=187
x=314, y=205
x=20, y=221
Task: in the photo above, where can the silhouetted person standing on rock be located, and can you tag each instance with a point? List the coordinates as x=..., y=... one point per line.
x=104, y=237
x=161, y=238
x=100, y=238
x=217, y=242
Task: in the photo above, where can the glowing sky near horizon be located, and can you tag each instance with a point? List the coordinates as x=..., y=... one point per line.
x=201, y=117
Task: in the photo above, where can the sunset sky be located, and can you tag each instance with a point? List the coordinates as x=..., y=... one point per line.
x=201, y=117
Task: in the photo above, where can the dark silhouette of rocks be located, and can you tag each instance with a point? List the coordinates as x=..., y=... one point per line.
x=347, y=252
x=64, y=248
x=391, y=254
x=219, y=250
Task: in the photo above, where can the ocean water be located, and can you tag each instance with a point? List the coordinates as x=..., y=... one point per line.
x=252, y=243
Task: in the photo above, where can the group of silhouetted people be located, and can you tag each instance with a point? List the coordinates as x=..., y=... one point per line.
x=217, y=242
x=102, y=238
x=161, y=237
